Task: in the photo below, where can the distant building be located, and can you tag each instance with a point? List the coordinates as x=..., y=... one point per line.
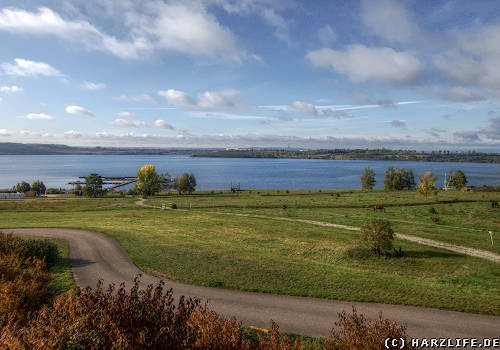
x=12, y=195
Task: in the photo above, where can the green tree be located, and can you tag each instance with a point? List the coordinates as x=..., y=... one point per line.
x=397, y=179
x=427, y=183
x=377, y=236
x=165, y=182
x=177, y=184
x=393, y=179
x=39, y=187
x=191, y=183
x=368, y=179
x=457, y=179
x=147, y=180
x=23, y=187
x=408, y=180
x=93, y=186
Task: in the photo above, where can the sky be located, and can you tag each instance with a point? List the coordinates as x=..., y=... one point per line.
x=419, y=75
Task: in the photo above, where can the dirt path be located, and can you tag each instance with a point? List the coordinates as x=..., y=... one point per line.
x=95, y=256
x=424, y=241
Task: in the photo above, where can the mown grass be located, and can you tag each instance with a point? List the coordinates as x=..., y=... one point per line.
x=275, y=256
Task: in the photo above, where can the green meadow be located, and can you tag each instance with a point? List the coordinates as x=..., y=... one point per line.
x=198, y=247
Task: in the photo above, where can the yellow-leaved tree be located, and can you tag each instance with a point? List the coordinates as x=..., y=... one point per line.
x=147, y=180
x=427, y=183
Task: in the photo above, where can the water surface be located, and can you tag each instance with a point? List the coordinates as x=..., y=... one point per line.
x=219, y=173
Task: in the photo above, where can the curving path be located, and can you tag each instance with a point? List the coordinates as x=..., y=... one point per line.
x=478, y=253
x=95, y=256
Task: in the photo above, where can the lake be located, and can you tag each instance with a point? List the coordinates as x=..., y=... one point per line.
x=219, y=173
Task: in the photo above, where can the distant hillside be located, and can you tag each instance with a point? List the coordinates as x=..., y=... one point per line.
x=332, y=154
x=35, y=148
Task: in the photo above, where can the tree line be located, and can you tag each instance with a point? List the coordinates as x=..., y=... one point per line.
x=397, y=179
x=354, y=154
x=149, y=183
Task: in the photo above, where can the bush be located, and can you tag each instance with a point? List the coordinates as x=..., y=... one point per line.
x=433, y=210
x=377, y=236
x=36, y=248
x=22, y=282
x=53, y=191
x=173, y=206
x=142, y=319
x=132, y=191
x=357, y=333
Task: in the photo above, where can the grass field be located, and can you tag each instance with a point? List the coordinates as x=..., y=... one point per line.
x=283, y=257
x=461, y=218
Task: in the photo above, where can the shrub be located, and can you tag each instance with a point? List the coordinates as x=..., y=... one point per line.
x=53, y=191
x=142, y=319
x=132, y=191
x=432, y=210
x=377, y=236
x=357, y=333
x=22, y=282
x=173, y=206
x=36, y=248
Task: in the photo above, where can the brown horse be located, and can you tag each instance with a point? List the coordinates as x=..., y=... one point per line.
x=379, y=207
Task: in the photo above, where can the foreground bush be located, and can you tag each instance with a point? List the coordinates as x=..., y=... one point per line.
x=142, y=319
x=23, y=281
x=377, y=236
x=148, y=319
x=36, y=248
x=355, y=332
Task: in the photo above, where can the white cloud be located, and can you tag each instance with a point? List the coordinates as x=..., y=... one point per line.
x=326, y=109
x=182, y=27
x=326, y=35
x=73, y=134
x=228, y=116
x=219, y=99
x=162, y=124
x=463, y=94
x=78, y=110
x=178, y=99
x=389, y=19
x=206, y=100
x=278, y=22
x=41, y=116
x=304, y=108
x=398, y=124
x=137, y=98
x=361, y=63
x=125, y=114
x=88, y=85
x=27, y=68
x=4, y=132
x=128, y=122
x=10, y=89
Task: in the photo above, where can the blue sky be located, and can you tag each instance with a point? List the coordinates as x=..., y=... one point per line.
x=251, y=73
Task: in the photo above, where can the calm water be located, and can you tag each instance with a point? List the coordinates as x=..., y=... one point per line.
x=218, y=173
